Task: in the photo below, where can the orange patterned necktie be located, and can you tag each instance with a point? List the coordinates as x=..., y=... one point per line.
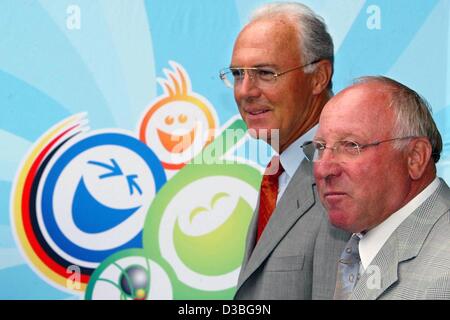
x=268, y=193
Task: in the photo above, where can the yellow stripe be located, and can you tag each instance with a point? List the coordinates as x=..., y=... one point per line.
x=18, y=194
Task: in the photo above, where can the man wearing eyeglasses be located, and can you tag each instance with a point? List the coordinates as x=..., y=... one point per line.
x=374, y=156
x=280, y=72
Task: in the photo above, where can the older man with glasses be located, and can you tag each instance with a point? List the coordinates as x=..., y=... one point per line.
x=280, y=72
x=374, y=158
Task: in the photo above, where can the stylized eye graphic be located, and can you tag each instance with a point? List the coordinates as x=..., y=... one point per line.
x=182, y=118
x=169, y=120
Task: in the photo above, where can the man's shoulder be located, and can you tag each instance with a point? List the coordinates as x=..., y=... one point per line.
x=441, y=228
x=440, y=233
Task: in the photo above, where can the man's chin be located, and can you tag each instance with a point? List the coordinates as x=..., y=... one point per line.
x=339, y=219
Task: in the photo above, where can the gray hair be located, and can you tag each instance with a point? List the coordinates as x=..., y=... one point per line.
x=316, y=42
x=413, y=114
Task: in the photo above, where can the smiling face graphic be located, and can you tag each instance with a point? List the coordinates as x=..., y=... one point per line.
x=178, y=134
x=198, y=226
x=180, y=123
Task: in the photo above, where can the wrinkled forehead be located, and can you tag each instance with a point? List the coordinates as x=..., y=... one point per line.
x=362, y=111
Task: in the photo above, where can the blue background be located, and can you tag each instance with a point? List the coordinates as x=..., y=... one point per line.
x=109, y=67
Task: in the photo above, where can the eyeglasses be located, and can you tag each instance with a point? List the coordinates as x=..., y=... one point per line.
x=343, y=150
x=261, y=75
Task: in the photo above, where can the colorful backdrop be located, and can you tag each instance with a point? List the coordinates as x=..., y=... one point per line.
x=125, y=170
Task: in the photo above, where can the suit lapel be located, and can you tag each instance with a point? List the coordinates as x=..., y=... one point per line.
x=404, y=244
x=381, y=273
x=251, y=238
x=296, y=200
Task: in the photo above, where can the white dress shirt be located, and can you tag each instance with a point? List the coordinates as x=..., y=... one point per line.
x=372, y=241
x=291, y=158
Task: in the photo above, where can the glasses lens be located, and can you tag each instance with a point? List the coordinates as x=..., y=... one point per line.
x=230, y=76
x=236, y=74
x=319, y=148
x=227, y=77
x=349, y=148
x=309, y=150
x=233, y=76
x=265, y=75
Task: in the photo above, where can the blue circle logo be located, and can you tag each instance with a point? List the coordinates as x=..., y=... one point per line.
x=96, y=194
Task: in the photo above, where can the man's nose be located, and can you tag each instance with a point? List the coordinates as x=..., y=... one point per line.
x=248, y=87
x=327, y=167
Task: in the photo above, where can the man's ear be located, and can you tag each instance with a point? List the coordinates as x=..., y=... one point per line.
x=419, y=156
x=321, y=76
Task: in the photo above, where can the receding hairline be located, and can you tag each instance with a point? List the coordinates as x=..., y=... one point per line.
x=388, y=83
x=289, y=23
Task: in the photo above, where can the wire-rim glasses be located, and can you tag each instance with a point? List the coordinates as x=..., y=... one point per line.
x=343, y=150
x=233, y=76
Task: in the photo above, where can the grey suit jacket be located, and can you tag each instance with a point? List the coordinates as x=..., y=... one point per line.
x=296, y=256
x=414, y=263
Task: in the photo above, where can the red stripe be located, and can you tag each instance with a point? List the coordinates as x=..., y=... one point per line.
x=29, y=232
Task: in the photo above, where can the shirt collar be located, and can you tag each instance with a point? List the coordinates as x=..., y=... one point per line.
x=374, y=239
x=292, y=157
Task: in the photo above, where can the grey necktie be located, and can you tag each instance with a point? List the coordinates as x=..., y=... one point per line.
x=348, y=269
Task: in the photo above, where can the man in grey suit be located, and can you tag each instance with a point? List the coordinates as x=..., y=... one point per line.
x=281, y=71
x=374, y=160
